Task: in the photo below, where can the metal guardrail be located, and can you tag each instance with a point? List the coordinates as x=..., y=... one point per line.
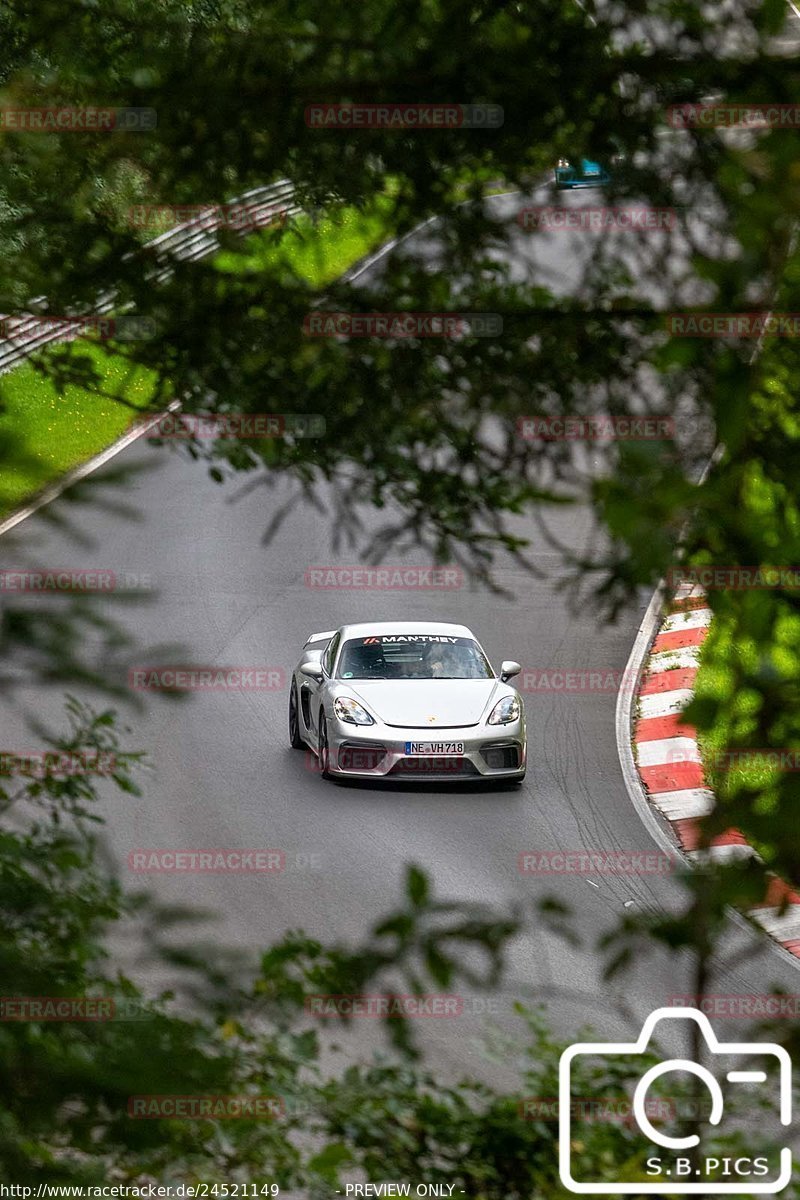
x=188, y=242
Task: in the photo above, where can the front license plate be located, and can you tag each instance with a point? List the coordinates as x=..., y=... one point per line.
x=434, y=747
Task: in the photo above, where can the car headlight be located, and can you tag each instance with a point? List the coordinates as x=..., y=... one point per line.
x=351, y=711
x=505, y=711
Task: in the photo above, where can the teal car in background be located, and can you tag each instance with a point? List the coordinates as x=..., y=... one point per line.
x=583, y=174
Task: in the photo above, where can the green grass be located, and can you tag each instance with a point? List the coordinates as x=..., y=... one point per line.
x=316, y=251
x=716, y=682
x=44, y=434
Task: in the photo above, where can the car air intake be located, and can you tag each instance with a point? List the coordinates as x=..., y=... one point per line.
x=434, y=765
x=501, y=758
x=361, y=756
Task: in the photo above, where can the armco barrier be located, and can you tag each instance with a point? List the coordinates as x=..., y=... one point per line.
x=188, y=242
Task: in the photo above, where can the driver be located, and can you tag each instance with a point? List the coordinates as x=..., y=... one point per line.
x=447, y=664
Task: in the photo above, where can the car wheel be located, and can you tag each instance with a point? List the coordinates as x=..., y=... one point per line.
x=323, y=752
x=295, y=739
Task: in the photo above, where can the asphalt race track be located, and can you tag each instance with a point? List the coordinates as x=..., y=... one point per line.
x=222, y=773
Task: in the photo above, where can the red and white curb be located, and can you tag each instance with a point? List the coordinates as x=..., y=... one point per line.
x=669, y=763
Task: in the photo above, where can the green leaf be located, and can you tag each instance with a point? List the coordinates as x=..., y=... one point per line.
x=417, y=887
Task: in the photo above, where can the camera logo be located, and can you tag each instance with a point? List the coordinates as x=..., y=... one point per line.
x=670, y=1169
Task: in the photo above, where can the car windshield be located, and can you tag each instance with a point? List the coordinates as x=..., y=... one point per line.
x=413, y=656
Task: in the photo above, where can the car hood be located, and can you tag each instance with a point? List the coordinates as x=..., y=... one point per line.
x=427, y=703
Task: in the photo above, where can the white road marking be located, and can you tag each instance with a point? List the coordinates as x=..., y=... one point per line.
x=689, y=591
x=684, y=803
x=663, y=751
x=664, y=704
x=667, y=660
x=694, y=618
x=735, y=852
x=785, y=927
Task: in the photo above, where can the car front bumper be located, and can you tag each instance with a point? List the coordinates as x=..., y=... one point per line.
x=379, y=752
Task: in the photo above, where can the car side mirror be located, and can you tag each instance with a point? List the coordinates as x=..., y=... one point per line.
x=509, y=668
x=313, y=670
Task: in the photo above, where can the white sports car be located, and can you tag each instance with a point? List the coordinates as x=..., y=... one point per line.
x=406, y=699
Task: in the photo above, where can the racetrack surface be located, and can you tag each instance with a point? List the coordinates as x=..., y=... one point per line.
x=223, y=774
